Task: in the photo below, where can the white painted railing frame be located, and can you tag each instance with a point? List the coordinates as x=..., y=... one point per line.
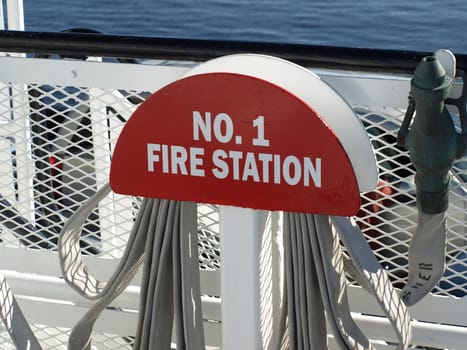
x=438, y=321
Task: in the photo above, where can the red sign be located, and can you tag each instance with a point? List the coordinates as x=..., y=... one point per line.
x=237, y=140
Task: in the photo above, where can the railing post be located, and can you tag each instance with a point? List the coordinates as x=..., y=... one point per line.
x=241, y=231
x=15, y=14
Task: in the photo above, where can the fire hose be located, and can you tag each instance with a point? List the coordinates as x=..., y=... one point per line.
x=315, y=274
x=171, y=279
x=162, y=235
x=434, y=145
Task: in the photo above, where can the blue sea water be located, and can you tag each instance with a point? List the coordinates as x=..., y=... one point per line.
x=423, y=25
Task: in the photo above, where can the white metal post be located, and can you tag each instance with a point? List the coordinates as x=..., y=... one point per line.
x=15, y=14
x=2, y=20
x=241, y=231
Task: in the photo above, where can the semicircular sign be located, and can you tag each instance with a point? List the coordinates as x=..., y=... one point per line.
x=233, y=139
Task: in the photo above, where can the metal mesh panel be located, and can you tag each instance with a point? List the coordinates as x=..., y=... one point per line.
x=52, y=161
x=208, y=237
x=388, y=216
x=55, y=149
x=56, y=339
x=5, y=342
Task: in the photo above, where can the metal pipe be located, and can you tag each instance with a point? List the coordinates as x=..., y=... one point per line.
x=72, y=44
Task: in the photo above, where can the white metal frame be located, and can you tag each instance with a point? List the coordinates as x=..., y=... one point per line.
x=440, y=321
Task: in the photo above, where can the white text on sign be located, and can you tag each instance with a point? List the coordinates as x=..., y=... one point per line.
x=261, y=167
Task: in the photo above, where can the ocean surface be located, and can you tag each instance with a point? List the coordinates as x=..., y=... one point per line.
x=423, y=25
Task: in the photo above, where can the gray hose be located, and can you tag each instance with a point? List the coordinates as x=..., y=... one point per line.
x=427, y=256
x=165, y=235
x=306, y=321
x=21, y=227
x=374, y=277
x=316, y=284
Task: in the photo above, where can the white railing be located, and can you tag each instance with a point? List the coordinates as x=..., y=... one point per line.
x=45, y=166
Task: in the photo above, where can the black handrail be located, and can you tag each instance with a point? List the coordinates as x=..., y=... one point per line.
x=73, y=44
